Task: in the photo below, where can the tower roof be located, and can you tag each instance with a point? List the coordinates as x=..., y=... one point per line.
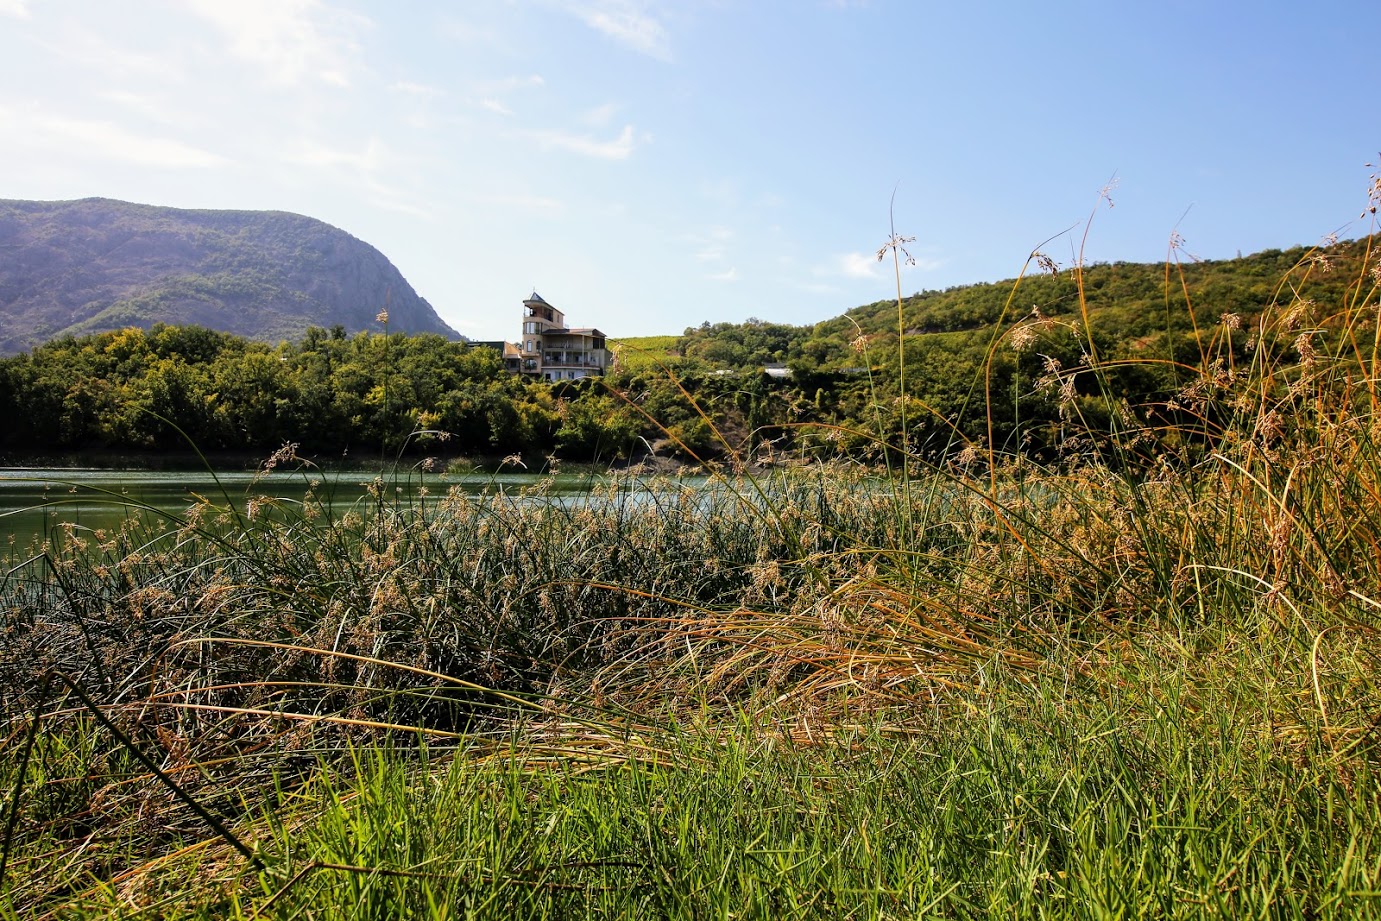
x=535, y=299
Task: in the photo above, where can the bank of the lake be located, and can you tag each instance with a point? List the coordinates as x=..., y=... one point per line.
x=36, y=501
x=793, y=696
x=1140, y=680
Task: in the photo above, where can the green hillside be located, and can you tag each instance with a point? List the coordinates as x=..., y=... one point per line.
x=639, y=352
x=1134, y=308
x=1008, y=364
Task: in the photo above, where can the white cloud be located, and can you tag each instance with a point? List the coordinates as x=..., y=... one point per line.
x=600, y=116
x=723, y=192
x=310, y=153
x=508, y=84
x=710, y=245
x=88, y=49
x=867, y=266
x=146, y=106
x=104, y=140
x=468, y=33
x=625, y=21
x=858, y=265
x=416, y=89
x=621, y=148
x=416, y=103
x=390, y=200
x=19, y=9
x=729, y=275
x=535, y=204
x=365, y=171
x=489, y=94
x=289, y=41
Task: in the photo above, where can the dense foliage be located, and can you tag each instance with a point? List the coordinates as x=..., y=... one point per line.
x=172, y=387
x=1012, y=367
x=1008, y=365
x=330, y=393
x=995, y=689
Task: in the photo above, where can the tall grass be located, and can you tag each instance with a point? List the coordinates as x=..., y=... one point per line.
x=1140, y=681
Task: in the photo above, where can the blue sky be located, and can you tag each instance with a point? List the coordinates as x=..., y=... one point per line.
x=651, y=164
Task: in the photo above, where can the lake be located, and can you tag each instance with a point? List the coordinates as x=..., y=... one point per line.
x=33, y=501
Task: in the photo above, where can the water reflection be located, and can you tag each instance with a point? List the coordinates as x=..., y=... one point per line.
x=33, y=502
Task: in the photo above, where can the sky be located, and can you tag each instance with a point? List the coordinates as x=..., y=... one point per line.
x=649, y=165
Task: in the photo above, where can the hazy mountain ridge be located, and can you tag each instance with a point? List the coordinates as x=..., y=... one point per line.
x=97, y=264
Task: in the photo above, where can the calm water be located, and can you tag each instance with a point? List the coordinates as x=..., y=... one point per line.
x=34, y=501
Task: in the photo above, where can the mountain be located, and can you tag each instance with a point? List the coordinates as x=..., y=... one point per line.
x=76, y=267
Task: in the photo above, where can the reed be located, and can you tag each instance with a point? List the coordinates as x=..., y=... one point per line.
x=1139, y=680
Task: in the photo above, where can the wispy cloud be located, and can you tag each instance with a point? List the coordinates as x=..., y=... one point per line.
x=422, y=90
x=288, y=41
x=621, y=148
x=600, y=116
x=867, y=266
x=627, y=22
x=147, y=106
x=367, y=170
x=723, y=192
x=466, y=31
x=857, y=265
x=416, y=103
x=314, y=154
x=710, y=246
x=534, y=204
x=88, y=49
x=490, y=94
x=19, y=9
x=729, y=275
x=104, y=140
x=508, y=84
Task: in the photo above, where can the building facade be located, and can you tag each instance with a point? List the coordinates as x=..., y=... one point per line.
x=551, y=351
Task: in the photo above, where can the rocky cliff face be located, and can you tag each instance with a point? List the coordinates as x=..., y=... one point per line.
x=96, y=264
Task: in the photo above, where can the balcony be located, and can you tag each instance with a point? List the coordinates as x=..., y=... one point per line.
x=571, y=360
x=545, y=313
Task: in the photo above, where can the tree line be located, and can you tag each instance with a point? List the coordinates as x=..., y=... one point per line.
x=169, y=388
x=1015, y=368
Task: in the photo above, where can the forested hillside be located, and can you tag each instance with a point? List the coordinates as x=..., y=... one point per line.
x=1014, y=367
x=1005, y=364
x=1138, y=307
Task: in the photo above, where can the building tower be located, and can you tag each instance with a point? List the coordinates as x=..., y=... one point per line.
x=549, y=351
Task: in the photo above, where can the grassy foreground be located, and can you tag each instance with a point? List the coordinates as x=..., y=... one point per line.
x=1139, y=682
